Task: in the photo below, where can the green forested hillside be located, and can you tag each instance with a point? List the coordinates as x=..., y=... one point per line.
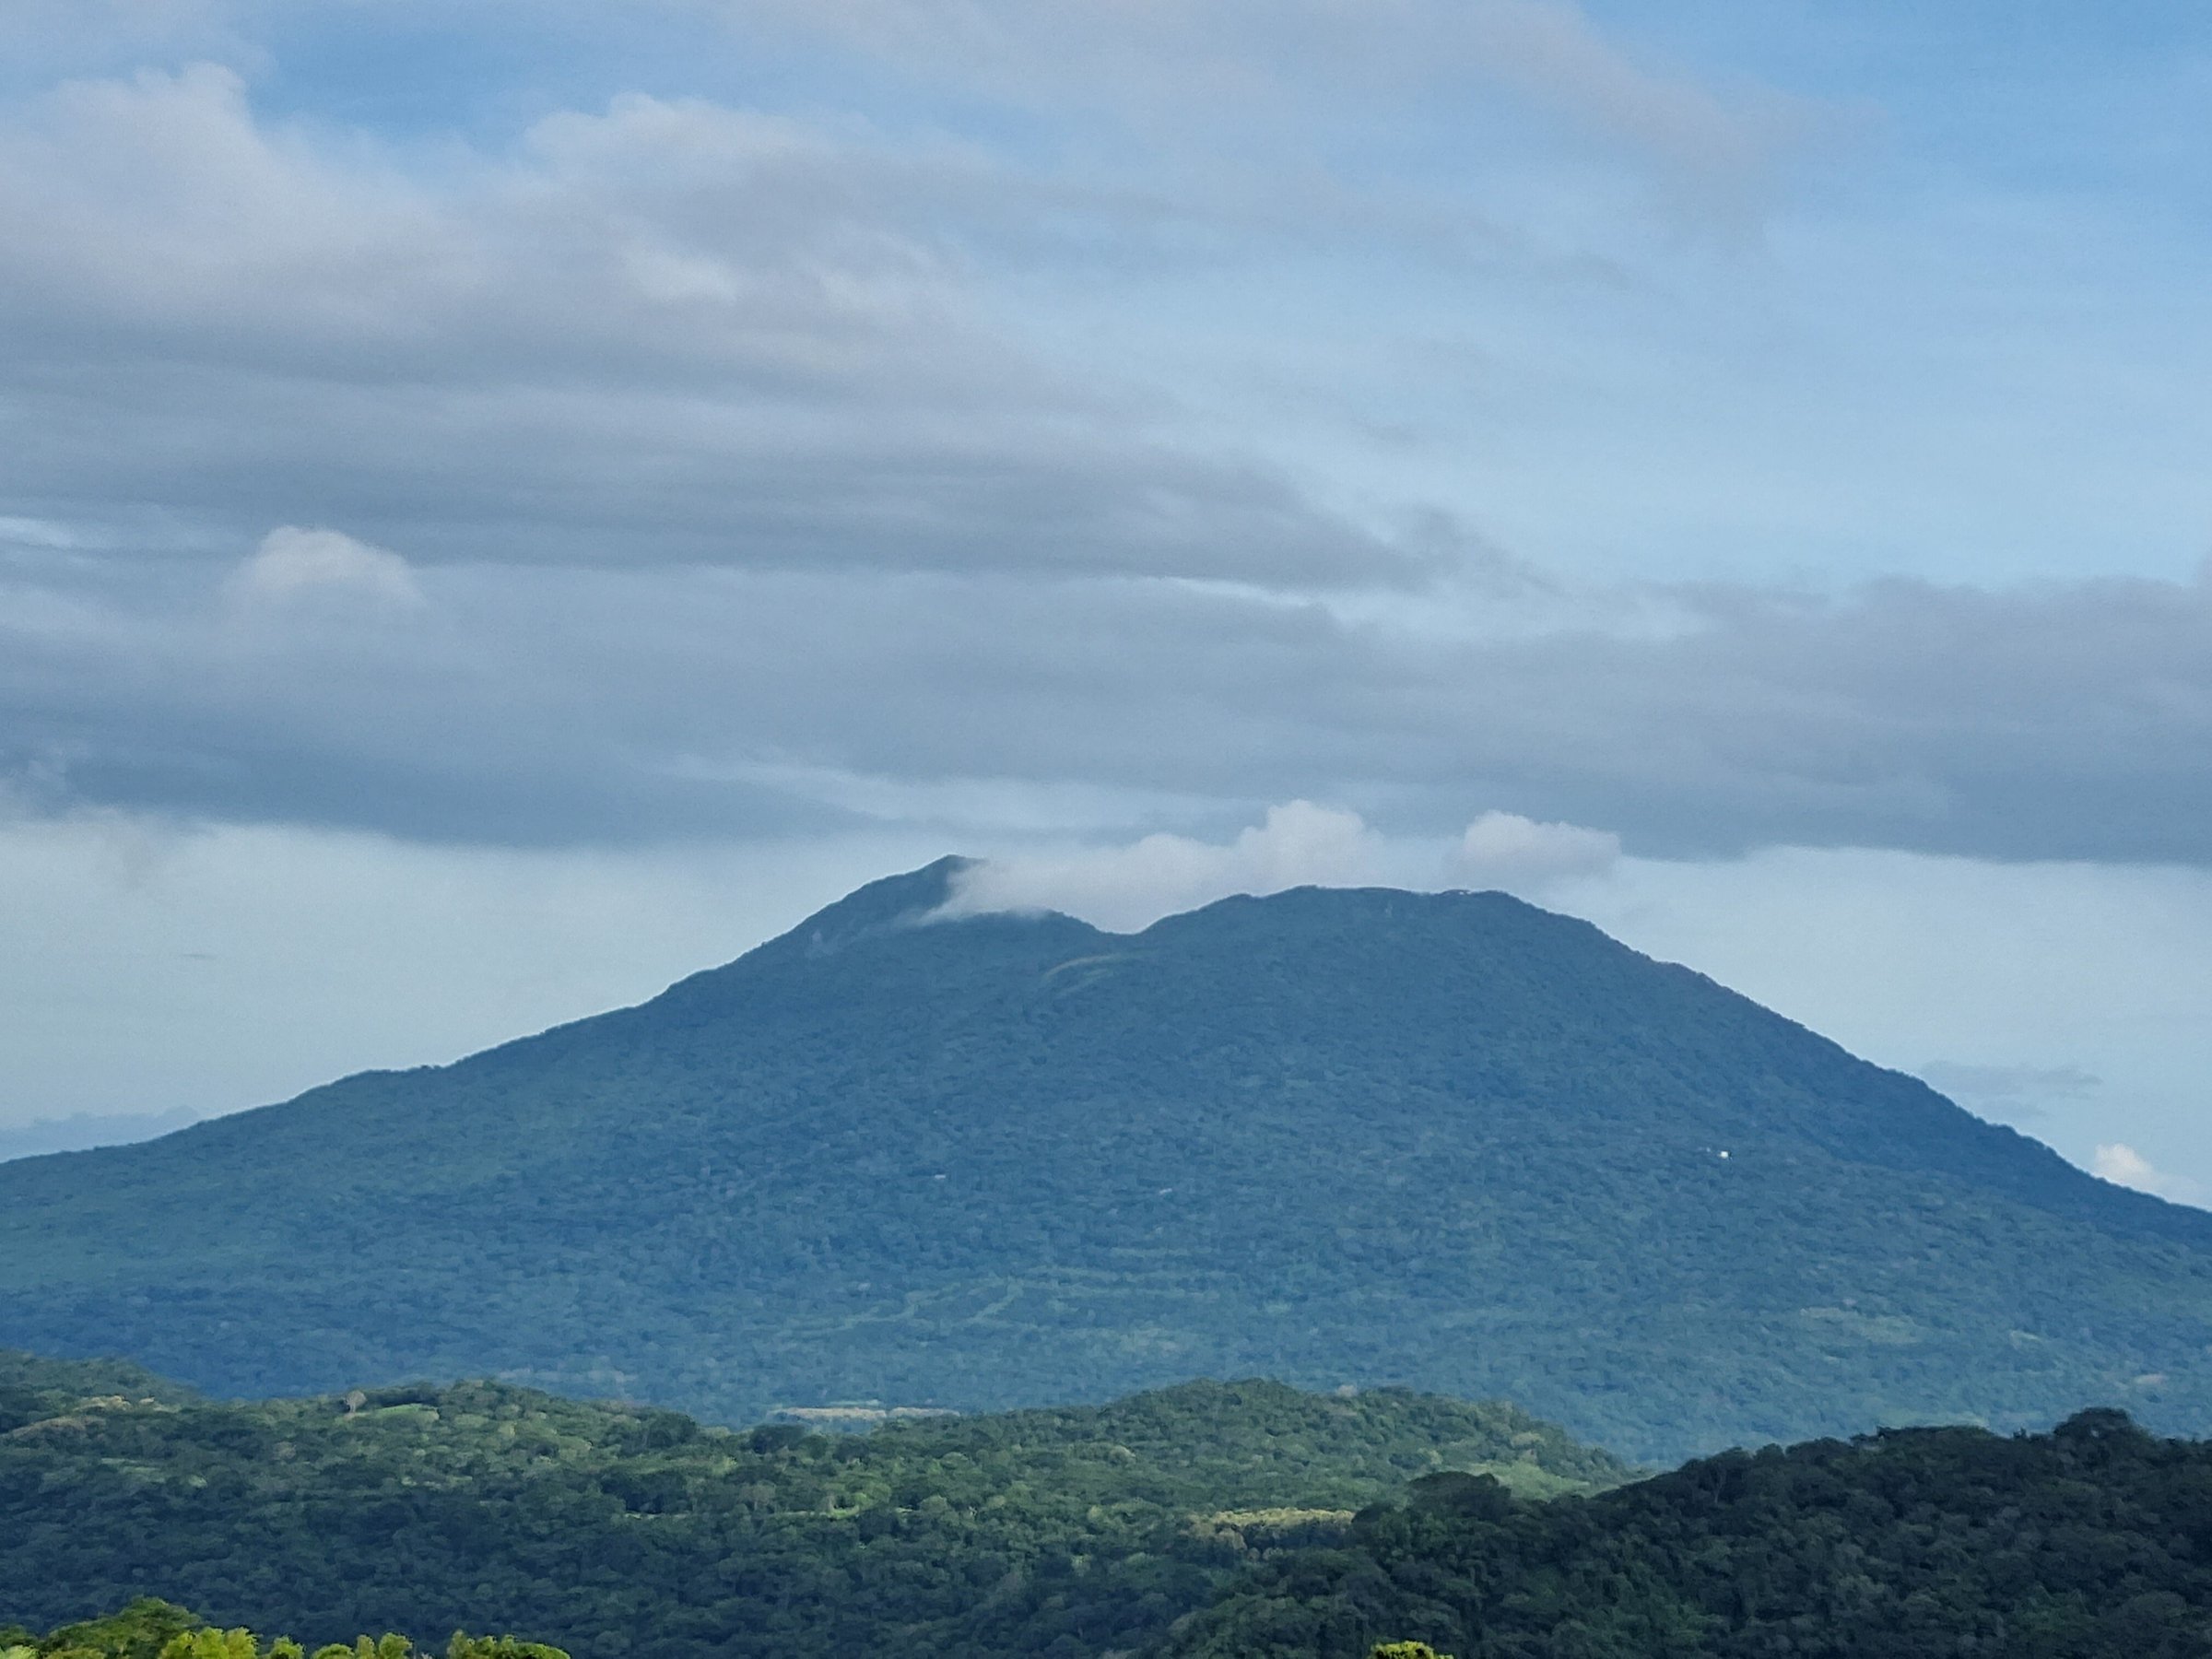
x=1445, y=1140
x=614, y=1531
x=1211, y=1520
x=2092, y=1542
x=33, y=1389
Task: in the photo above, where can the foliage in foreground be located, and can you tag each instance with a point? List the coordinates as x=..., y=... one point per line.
x=2091, y=1542
x=150, y=1628
x=1213, y=1522
x=616, y=1531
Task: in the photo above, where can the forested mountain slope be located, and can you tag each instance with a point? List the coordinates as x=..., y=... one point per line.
x=2093, y=1542
x=1332, y=1136
x=612, y=1530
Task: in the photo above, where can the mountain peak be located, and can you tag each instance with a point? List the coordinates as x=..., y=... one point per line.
x=1330, y=1136
x=891, y=901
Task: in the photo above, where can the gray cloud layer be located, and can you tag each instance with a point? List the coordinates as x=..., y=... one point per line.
x=687, y=471
x=550, y=704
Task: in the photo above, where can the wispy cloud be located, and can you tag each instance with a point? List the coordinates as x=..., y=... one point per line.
x=293, y=567
x=667, y=332
x=2123, y=1166
x=1218, y=66
x=1298, y=845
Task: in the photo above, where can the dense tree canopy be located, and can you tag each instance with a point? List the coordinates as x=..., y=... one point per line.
x=1209, y=1522
x=2091, y=1542
x=152, y=1629
x=616, y=1530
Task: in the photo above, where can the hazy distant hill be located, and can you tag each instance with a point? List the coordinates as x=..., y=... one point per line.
x=89, y=1129
x=613, y=1530
x=1452, y=1141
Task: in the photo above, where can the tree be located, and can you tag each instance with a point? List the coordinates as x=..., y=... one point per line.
x=149, y=1628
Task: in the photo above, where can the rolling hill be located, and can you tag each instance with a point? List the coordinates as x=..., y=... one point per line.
x=1334, y=1137
x=2090, y=1542
x=615, y=1530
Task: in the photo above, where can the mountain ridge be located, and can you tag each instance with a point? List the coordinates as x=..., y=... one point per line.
x=918, y=898
x=1451, y=1140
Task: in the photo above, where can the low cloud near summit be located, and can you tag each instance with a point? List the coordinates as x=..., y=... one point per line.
x=1124, y=888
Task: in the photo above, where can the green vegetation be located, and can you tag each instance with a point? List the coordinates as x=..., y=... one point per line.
x=627, y=1531
x=2091, y=1542
x=1446, y=1141
x=35, y=1390
x=1211, y=1520
x=149, y=1628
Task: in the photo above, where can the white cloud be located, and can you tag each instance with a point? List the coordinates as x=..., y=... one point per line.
x=661, y=332
x=294, y=565
x=665, y=331
x=1300, y=845
x=2120, y=1164
x=1505, y=850
x=1126, y=888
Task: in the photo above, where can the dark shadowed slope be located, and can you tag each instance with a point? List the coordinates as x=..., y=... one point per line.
x=1448, y=1140
x=2091, y=1542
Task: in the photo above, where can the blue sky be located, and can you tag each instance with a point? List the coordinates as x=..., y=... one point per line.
x=674, y=460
